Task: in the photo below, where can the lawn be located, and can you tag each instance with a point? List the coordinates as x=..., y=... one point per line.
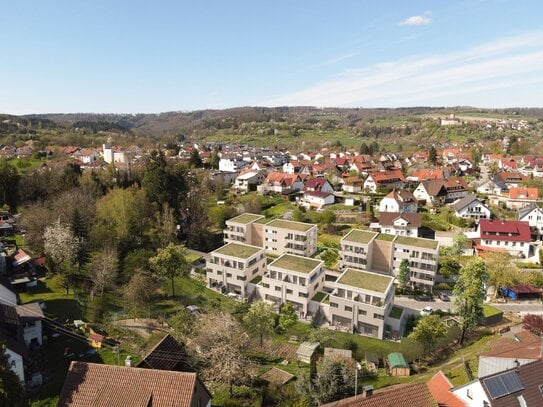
x=279, y=210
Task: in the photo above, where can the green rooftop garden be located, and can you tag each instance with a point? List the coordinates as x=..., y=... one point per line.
x=319, y=296
x=245, y=218
x=296, y=263
x=396, y=312
x=288, y=224
x=490, y=311
x=417, y=241
x=360, y=236
x=386, y=237
x=256, y=280
x=242, y=251
x=365, y=280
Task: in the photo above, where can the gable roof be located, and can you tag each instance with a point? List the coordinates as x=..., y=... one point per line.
x=524, y=345
x=507, y=230
x=523, y=212
x=467, y=200
x=523, y=193
x=388, y=218
x=440, y=387
x=315, y=183
x=168, y=354
x=510, y=176
x=92, y=384
x=404, y=395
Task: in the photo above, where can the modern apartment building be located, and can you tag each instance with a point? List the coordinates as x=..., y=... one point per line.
x=423, y=257
x=361, y=302
x=285, y=236
x=356, y=249
x=233, y=266
x=292, y=278
x=239, y=229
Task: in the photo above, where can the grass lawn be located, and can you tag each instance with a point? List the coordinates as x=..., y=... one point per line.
x=319, y=296
x=279, y=210
x=489, y=311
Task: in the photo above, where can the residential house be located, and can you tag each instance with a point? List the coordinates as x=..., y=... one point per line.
x=471, y=207
x=511, y=236
x=519, y=386
x=93, y=384
x=511, y=179
x=282, y=183
x=441, y=191
x=352, y=185
x=87, y=155
x=7, y=295
x=233, y=266
x=400, y=223
x=293, y=279
x=361, y=302
x=248, y=181
x=509, y=352
x=240, y=229
x=521, y=197
x=384, y=180
x=317, y=193
x=168, y=354
x=284, y=236
x=493, y=186
x=441, y=389
x=532, y=214
x=398, y=201
x=231, y=163
x=292, y=167
x=356, y=249
x=423, y=257
x=30, y=318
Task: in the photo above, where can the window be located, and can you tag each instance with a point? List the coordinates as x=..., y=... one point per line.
x=333, y=305
x=349, y=309
x=289, y=291
x=378, y=316
x=277, y=288
x=228, y=274
x=362, y=312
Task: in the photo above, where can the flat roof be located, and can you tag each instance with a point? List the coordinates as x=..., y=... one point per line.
x=242, y=251
x=359, y=236
x=296, y=263
x=386, y=237
x=245, y=218
x=365, y=280
x=417, y=241
x=289, y=224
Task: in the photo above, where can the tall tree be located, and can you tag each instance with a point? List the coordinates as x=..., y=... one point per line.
x=219, y=344
x=288, y=316
x=166, y=227
x=195, y=161
x=469, y=293
x=404, y=274
x=170, y=263
x=103, y=271
x=502, y=271
x=11, y=391
x=139, y=291
x=427, y=331
x=259, y=320
x=9, y=179
x=432, y=155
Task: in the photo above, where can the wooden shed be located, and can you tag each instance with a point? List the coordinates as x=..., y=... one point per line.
x=307, y=352
x=397, y=366
x=338, y=353
x=96, y=340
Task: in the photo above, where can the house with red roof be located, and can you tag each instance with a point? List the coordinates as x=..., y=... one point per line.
x=441, y=387
x=384, y=180
x=441, y=191
x=521, y=197
x=511, y=236
x=317, y=193
x=282, y=183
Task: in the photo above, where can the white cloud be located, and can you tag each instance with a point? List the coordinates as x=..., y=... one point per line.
x=416, y=20
x=421, y=79
x=339, y=58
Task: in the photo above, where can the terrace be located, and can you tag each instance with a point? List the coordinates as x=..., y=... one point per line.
x=296, y=263
x=360, y=236
x=417, y=242
x=365, y=280
x=241, y=251
x=287, y=224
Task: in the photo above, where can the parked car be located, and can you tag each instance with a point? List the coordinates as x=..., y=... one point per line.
x=426, y=311
x=444, y=297
x=423, y=297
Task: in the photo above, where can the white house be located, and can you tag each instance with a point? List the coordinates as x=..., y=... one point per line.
x=403, y=224
x=491, y=187
x=532, y=214
x=471, y=207
x=511, y=236
x=231, y=164
x=15, y=362
x=249, y=180
x=317, y=199
x=30, y=316
x=398, y=201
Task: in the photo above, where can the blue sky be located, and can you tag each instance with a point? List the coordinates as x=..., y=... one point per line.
x=142, y=56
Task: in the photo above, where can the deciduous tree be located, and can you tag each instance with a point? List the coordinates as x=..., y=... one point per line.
x=427, y=332
x=11, y=391
x=288, y=316
x=533, y=323
x=404, y=274
x=259, y=320
x=103, y=271
x=469, y=293
x=9, y=179
x=170, y=263
x=139, y=291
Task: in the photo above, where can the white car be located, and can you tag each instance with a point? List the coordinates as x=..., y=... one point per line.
x=426, y=311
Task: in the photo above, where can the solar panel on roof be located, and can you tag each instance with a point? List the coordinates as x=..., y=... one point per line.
x=503, y=384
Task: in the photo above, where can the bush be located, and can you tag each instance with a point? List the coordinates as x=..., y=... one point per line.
x=351, y=345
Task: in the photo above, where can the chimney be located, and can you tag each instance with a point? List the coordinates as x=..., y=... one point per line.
x=367, y=390
x=128, y=361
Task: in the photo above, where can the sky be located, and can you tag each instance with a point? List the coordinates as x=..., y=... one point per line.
x=135, y=56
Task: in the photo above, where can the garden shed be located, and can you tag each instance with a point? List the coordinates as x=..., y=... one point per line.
x=307, y=352
x=397, y=366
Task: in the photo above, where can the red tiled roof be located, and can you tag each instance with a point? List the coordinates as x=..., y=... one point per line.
x=426, y=174
x=405, y=395
x=505, y=230
x=523, y=193
x=525, y=289
x=440, y=387
x=525, y=346
x=92, y=384
x=385, y=176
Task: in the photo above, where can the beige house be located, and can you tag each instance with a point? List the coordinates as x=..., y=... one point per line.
x=285, y=236
x=356, y=249
x=232, y=267
x=240, y=228
x=361, y=302
x=423, y=257
x=293, y=279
